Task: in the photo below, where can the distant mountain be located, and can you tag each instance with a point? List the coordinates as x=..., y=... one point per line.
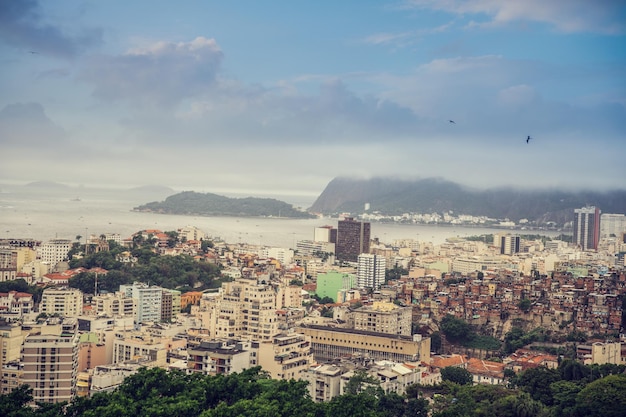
x=208, y=204
x=394, y=197
x=154, y=189
x=47, y=184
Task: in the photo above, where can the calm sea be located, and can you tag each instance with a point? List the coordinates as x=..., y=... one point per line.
x=64, y=214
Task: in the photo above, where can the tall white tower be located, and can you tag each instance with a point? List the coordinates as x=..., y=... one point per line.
x=370, y=272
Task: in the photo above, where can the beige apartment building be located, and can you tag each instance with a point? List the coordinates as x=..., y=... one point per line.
x=330, y=343
x=602, y=352
x=66, y=302
x=287, y=356
x=221, y=357
x=382, y=317
x=133, y=346
x=50, y=362
x=115, y=305
x=244, y=308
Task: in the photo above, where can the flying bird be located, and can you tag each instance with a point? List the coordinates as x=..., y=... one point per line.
x=33, y=52
x=452, y=121
x=528, y=139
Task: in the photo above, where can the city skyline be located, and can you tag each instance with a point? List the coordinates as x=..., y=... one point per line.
x=284, y=97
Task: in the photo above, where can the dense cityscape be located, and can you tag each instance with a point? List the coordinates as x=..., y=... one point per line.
x=78, y=317
x=397, y=208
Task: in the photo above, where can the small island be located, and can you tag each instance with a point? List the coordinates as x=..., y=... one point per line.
x=207, y=204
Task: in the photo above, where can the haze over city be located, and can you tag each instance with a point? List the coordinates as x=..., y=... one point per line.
x=285, y=96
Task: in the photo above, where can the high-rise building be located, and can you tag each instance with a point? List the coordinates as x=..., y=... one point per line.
x=149, y=301
x=50, y=360
x=587, y=227
x=612, y=225
x=508, y=244
x=325, y=234
x=370, y=271
x=353, y=239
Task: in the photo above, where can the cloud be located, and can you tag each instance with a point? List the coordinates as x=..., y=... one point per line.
x=267, y=117
x=491, y=97
x=22, y=26
x=26, y=125
x=385, y=38
x=518, y=96
x=602, y=16
x=162, y=74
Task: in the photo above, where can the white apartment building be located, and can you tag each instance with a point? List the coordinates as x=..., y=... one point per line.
x=66, y=302
x=54, y=251
x=282, y=255
x=149, y=301
x=324, y=234
x=612, y=224
x=370, y=271
x=312, y=248
x=191, y=233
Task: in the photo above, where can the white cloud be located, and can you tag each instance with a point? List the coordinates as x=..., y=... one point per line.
x=601, y=16
x=162, y=74
x=517, y=96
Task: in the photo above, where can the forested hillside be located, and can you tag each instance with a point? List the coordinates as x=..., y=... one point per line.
x=394, y=197
x=208, y=204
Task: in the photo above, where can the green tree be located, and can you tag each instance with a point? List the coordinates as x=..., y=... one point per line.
x=525, y=304
x=360, y=382
x=455, y=329
x=15, y=403
x=604, y=397
x=457, y=375
x=537, y=381
x=564, y=397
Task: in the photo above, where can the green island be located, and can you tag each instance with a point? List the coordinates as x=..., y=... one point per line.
x=209, y=204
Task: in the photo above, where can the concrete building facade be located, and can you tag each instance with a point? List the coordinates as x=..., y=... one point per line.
x=50, y=360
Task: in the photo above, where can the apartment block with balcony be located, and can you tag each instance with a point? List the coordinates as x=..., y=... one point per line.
x=221, y=357
x=287, y=356
x=382, y=317
x=50, y=362
x=66, y=302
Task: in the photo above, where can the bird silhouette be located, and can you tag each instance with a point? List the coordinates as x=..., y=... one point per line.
x=528, y=139
x=33, y=52
x=452, y=121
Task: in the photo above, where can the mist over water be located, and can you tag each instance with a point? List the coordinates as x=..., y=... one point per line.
x=45, y=215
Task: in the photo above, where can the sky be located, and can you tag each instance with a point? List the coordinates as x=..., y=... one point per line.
x=283, y=96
